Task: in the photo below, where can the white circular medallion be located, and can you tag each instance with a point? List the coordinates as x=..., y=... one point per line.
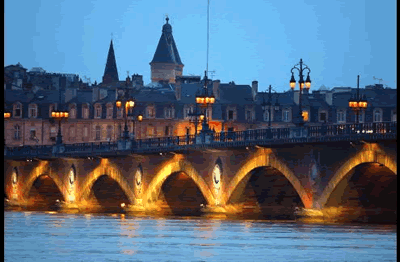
x=217, y=176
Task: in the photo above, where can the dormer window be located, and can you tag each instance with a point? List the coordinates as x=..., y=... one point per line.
x=378, y=115
x=287, y=115
x=150, y=112
x=72, y=111
x=32, y=111
x=85, y=111
x=323, y=116
x=17, y=110
x=109, y=111
x=231, y=113
x=249, y=114
x=341, y=116
x=187, y=110
x=97, y=111
x=169, y=112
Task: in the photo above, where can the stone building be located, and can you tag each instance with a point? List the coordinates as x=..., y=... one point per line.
x=167, y=103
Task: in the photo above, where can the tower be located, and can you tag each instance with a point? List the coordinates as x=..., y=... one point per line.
x=110, y=72
x=166, y=63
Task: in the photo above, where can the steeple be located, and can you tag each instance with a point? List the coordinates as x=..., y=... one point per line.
x=110, y=72
x=166, y=63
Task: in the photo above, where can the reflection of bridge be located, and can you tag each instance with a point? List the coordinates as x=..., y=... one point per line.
x=259, y=172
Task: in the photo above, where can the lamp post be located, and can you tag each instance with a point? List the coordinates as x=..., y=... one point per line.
x=59, y=115
x=301, y=85
x=7, y=116
x=205, y=99
x=128, y=103
x=358, y=103
x=195, y=116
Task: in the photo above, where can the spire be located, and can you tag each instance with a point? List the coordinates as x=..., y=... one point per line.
x=166, y=51
x=110, y=72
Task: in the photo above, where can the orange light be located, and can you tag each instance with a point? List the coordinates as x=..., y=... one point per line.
x=61, y=114
x=53, y=114
x=118, y=103
x=57, y=114
x=131, y=103
x=7, y=115
x=207, y=100
x=201, y=117
x=308, y=85
x=292, y=85
x=212, y=100
x=140, y=117
x=301, y=85
x=66, y=114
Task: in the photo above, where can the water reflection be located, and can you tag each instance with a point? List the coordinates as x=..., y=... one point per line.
x=100, y=237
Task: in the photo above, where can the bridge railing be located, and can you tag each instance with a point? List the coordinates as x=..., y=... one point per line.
x=284, y=135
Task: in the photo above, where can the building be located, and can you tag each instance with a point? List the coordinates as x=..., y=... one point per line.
x=167, y=103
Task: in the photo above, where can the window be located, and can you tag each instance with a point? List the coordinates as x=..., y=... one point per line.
x=17, y=132
x=53, y=133
x=187, y=110
x=167, y=131
x=341, y=116
x=286, y=115
x=98, y=133
x=109, y=111
x=361, y=117
x=71, y=133
x=230, y=115
x=151, y=112
x=168, y=113
x=32, y=111
x=150, y=131
x=85, y=111
x=72, y=111
x=394, y=116
x=32, y=135
x=377, y=115
x=323, y=117
x=85, y=131
x=17, y=110
x=97, y=111
x=109, y=132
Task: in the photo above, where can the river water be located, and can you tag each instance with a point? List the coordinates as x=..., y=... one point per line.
x=50, y=236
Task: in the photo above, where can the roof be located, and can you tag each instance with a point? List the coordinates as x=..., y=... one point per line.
x=166, y=51
x=110, y=72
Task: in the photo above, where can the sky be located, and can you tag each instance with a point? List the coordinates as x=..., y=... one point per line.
x=254, y=40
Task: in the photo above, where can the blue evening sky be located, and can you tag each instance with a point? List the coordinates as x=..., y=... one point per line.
x=249, y=40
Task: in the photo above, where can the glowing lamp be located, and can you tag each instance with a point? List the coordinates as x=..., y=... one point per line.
x=131, y=103
x=118, y=103
x=292, y=82
x=140, y=117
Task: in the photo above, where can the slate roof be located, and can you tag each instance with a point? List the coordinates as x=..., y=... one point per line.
x=166, y=51
x=110, y=72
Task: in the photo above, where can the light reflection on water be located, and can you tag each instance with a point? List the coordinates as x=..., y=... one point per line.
x=114, y=237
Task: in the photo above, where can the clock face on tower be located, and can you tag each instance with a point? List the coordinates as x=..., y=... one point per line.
x=217, y=176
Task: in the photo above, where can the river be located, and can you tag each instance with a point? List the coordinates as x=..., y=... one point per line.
x=51, y=236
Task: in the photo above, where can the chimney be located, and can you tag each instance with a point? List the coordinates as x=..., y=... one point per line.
x=178, y=88
x=254, y=89
x=137, y=80
x=216, y=89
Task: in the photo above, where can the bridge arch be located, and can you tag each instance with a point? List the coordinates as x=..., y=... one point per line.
x=173, y=166
x=371, y=153
x=266, y=158
x=105, y=168
x=42, y=168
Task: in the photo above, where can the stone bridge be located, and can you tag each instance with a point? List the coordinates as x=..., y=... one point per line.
x=249, y=181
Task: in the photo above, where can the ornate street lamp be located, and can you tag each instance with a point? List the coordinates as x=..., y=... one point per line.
x=301, y=86
x=140, y=119
x=59, y=115
x=358, y=103
x=127, y=103
x=203, y=100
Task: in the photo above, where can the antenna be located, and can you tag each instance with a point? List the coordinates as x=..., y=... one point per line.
x=208, y=22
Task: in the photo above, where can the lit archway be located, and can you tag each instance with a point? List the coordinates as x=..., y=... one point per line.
x=370, y=154
x=176, y=165
x=109, y=170
x=265, y=158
